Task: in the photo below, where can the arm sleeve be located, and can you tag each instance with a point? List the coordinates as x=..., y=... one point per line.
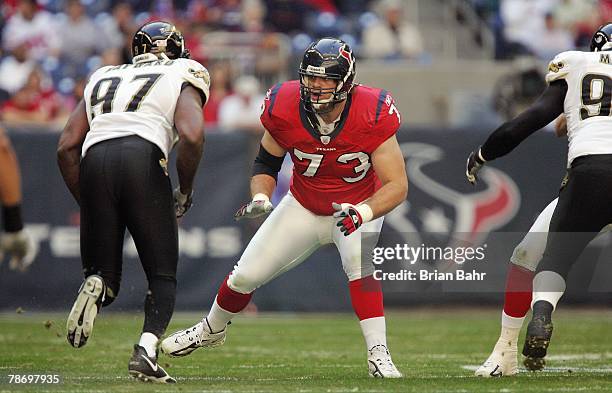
x=509, y=135
x=197, y=75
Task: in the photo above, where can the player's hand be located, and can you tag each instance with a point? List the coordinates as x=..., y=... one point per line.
x=259, y=206
x=473, y=166
x=350, y=219
x=182, y=202
x=20, y=246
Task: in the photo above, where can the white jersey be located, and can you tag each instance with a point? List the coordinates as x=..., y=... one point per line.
x=587, y=102
x=140, y=99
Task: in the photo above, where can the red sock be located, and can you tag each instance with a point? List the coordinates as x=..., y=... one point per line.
x=367, y=298
x=230, y=300
x=519, y=285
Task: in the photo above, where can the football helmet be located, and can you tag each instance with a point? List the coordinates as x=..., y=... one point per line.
x=328, y=58
x=161, y=39
x=602, y=39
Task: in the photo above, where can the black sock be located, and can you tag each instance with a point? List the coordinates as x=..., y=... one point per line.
x=159, y=304
x=11, y=217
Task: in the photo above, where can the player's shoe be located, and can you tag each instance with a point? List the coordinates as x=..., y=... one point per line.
x=539, y=333
x=502, y=362
x=83, y=314
x=146, y=369
x=380, y=364
x=185, y=341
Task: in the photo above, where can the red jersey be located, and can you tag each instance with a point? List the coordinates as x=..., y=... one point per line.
x=334, y=167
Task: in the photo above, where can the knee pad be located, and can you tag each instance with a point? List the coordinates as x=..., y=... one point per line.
x=530, y=250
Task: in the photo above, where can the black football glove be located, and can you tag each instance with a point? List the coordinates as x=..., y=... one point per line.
x=474, y=163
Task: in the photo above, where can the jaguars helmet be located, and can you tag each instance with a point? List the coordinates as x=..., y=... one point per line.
x=329, y=58
x=602, y=39
x=161, y=39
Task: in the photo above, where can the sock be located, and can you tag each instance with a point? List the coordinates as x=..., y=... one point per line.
x=149, y=342
x=374, y=331
x=519, y=286
x=510, y=329
x=548, y=286
x=218, y=318
x=159, y=304
x=227, y=304
x=367, y=301
x=366, y=298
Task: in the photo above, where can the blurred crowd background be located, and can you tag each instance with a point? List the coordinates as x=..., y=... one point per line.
x=448, y=62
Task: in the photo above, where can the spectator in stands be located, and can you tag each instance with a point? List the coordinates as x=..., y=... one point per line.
x=392, y=37
x=15, y=69
x=34, y=27
x=220, y=74
x=36, y=102
x=121, y=24
x=552, y=40
x=253, y=14
x=241, y=110
x=80, y=39
x=523, y=20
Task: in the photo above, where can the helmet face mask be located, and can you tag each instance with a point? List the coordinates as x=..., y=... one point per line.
x=326, y=60
x=161, y=39
x=602, y=39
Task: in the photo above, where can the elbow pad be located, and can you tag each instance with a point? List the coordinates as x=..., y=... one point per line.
x=267, y=164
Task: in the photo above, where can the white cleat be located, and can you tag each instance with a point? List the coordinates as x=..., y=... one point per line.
x=83, y=314
x=502, y=362
x=380, y=364
x=185, y=341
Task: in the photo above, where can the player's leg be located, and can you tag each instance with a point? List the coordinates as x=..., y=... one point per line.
x=14, y=240
x=288, y=236
x=148, y=206
x=102, y=233
x=517, y=301
x=366, y=295
x=583, y=210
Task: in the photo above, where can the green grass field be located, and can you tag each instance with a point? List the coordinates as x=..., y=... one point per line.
x=437, y=351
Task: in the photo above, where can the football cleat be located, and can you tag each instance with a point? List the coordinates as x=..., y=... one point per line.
x=83, y=314
x=146, y=369
x=502, y=362
x=183, y=342
x=539, y=333
x=380, y=364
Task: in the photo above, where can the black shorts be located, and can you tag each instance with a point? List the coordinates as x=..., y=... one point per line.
x=584, y=208
x=123, y=185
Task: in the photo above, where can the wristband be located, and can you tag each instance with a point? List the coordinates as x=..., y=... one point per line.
x=365, y=211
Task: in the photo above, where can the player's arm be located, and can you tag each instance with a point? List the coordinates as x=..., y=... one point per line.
x=15, y=240
x=69, y=148
x=189, y=123
x=510, y=134
x=267, y=164
x=561, y=126
x=388, y=163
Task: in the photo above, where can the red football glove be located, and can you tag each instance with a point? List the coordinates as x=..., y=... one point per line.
x=350, y=219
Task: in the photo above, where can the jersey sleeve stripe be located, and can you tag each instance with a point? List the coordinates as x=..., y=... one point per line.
x=273, y=94
x=381, y=100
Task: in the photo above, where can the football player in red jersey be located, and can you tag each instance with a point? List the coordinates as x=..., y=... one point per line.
x=348, y=173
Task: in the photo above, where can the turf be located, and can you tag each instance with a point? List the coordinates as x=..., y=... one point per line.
x=310, y=353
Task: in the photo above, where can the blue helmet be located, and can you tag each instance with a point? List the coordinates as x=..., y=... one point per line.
x=159, y=38
x=329, y=58
x=602, y=39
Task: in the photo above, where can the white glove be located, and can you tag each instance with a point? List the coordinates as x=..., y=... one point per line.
x=259, y=206
x=21, y=247
x=182, y=202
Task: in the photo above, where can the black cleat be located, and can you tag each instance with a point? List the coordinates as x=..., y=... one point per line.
x=84, y=311
x=146, y=369
x=539, y=332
